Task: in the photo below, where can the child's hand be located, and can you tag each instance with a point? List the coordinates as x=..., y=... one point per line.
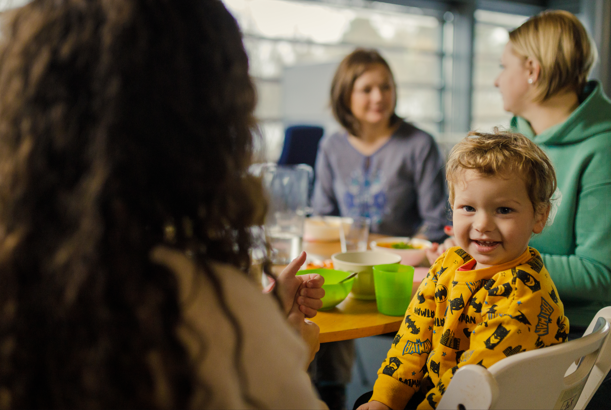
x=374, y=405
x=437, y=250
x=305, y=291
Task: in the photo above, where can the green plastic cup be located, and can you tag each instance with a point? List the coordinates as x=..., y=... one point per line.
x=393, y=286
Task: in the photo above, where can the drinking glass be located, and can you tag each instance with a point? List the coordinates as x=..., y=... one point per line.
x=353, y=234
x=287, y=188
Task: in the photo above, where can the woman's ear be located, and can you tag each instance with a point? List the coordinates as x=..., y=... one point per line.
x=541, y=219
x=534, y=69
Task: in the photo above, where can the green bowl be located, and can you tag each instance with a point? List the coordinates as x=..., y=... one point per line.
x=335, y=292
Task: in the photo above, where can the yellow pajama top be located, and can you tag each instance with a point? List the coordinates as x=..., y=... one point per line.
x=469, y=317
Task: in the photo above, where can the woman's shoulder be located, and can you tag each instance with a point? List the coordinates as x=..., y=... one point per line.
x=409, y=135
x=240, y=289
x=223, y=309
x=334, y=139
x=407, y=129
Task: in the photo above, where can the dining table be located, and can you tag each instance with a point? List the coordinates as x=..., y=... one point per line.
x=354, y=318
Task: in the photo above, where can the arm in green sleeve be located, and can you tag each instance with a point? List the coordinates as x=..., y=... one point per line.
x=578, y=278
x=585, y=274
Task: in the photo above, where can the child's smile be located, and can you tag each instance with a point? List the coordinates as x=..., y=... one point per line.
x=494, y=217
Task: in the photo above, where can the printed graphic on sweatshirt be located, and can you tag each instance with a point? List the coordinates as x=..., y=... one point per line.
x=431, y=399
x=497, y=337
x=457, y=304
x=448, y=340
x=393, y=364
x=365, y=195
x=415, y=383
x=464, y=255
x=529, y=280
x=510, y=351
x=544, y=318
x=441, y=293
x=417, y=347
x=466, y=355
x=502, y=291
x=536, y=263
x=561, y=334
x=434, y=366
x=553, y=296
x=467, y=333
x=475, y=305
x=441, y=387
x=411, y=325
x=521, y=317
x=475, y=286
x=491, y=313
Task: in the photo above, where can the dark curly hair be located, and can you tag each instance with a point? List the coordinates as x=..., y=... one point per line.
x=123, y=125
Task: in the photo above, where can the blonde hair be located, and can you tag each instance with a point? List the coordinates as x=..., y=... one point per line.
x=561, y=45
x=504, y=153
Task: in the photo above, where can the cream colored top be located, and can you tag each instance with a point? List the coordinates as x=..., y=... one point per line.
x=273, y=356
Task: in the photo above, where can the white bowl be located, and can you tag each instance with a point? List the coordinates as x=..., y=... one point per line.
x=411, y=257
x=363, y=263
x=324, y=228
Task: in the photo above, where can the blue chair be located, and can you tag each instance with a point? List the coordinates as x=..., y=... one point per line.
x=300, y=145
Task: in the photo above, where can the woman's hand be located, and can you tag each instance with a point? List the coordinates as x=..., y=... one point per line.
x=304, y=291
x=308, y=330
x=374, y=405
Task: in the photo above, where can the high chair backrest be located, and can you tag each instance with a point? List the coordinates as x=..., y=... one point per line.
x=563, y=376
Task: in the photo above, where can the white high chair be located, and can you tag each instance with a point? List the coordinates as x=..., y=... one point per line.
x=564, y=376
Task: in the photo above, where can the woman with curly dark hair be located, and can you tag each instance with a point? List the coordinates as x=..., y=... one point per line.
x=125, y=215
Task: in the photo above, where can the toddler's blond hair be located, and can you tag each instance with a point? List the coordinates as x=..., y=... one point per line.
x=504, y=154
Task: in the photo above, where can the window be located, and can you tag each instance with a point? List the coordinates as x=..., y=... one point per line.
x=491, y=35
x=281, y=33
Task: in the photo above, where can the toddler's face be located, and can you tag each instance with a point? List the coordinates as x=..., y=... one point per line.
x=493, y=217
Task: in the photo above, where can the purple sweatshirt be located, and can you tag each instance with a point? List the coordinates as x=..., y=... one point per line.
x=401, y=187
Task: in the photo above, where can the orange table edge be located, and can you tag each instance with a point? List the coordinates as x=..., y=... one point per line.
x=354, y=318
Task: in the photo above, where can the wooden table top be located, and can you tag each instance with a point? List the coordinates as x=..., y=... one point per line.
x=354, y=318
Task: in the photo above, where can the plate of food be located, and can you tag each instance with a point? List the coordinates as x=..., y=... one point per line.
x=324, y=228
x=323, y=264
x=411, y=250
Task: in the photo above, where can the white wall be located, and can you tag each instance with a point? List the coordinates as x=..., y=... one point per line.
x=305, y=95
x=11, y=4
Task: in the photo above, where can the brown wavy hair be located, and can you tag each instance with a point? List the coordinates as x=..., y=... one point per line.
x=117, y=119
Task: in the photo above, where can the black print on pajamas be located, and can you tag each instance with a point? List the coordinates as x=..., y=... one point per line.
x=393, y=365
x=529, y=280
x=497, y=337
x=411, y=325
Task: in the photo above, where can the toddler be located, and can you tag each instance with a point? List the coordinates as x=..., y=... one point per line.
x=490, y=297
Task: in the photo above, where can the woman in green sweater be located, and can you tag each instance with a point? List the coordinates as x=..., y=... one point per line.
x=543, y=82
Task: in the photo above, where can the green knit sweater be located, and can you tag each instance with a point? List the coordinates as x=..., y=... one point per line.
x=576, y=248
